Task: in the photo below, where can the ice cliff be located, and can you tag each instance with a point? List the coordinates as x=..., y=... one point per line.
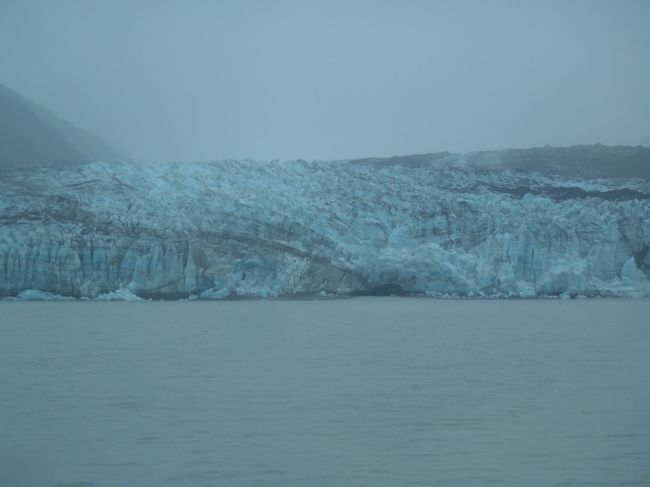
x=436, y=227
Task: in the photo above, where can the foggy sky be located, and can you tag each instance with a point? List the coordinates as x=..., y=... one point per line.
x=191, y=80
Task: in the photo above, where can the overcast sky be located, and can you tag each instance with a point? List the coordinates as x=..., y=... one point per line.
x=192, y=80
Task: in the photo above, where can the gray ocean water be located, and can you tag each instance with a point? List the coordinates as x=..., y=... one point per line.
x=359, y=392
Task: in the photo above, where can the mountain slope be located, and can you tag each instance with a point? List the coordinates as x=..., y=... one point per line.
x=31, y=134
x=233, y=229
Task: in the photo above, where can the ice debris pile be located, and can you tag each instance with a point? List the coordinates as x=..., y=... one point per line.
x=262, y=229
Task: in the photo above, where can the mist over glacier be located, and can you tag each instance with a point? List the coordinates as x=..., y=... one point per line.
x=440, y=225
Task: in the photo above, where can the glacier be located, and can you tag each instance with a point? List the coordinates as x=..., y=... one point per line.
x=236, y=229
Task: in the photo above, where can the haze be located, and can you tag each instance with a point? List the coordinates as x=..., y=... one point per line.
x=338, y=79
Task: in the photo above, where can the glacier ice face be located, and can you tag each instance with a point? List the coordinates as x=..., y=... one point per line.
x=234, y=229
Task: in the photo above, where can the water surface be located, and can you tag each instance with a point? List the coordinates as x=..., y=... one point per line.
x=361, y=392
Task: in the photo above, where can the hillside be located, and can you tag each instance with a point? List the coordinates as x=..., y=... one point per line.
x=31, y=134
